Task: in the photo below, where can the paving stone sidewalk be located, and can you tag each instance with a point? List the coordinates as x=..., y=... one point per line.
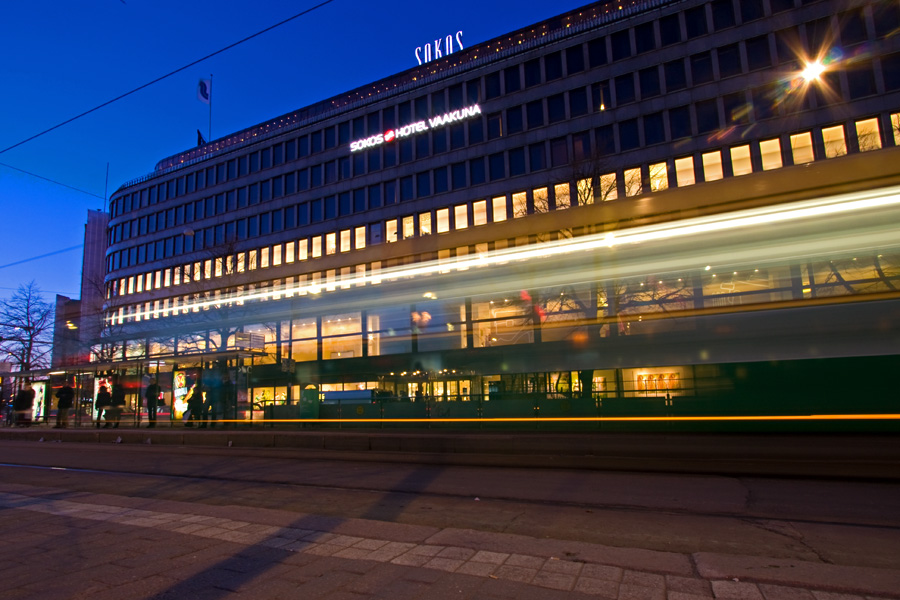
x=70, y=545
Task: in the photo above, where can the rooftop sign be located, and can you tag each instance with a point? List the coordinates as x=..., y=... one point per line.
x=418, y=127
x=441, y=47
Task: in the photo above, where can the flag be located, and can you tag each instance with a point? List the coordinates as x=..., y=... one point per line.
x=200, y=140
x=204, y=89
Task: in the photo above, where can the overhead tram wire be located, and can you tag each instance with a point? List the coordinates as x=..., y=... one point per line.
x=65, y=185
x=166, y=76
x=54, y=253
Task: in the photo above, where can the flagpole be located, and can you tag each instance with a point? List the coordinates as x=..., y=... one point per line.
x=209, y=131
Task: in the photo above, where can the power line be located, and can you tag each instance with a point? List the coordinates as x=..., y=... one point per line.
x=54, y=253
x=51, y=180
x=158, y=79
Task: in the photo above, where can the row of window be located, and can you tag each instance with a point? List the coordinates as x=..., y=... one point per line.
x=608, y=140
x=673, y=75
x=800, y=148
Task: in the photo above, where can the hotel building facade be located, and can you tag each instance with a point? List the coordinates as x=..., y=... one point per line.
x=636, y=208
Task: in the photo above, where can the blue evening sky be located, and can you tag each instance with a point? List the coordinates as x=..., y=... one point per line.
x=64, y=57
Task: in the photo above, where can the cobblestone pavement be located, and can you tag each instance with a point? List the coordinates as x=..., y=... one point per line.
x=67, y=545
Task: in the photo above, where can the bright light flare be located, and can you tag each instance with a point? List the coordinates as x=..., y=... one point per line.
x=812, y=71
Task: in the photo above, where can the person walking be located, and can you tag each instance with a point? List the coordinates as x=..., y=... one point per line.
x=152, y=396
x=23, y=404
x=195, y=404
x=117, y=404
x=65, y=398
x=104, y=399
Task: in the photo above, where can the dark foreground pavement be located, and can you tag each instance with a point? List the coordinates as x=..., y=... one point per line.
x=60, y=543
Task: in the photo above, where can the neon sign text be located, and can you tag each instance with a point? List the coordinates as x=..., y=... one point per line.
x=418, y=127
x=441, y=47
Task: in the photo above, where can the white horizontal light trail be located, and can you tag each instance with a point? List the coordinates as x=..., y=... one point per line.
x=684, y=228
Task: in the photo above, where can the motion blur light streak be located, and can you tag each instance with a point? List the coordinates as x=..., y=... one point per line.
x=843, y=417
x=751, y=219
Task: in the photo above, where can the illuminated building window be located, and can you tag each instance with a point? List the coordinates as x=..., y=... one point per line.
x=835, y=144
x=345, y=240
x=167, y=274
x=712, y=166
x=562, y=195
x=140, y=284
x=633, y=184
x=895, y=126
x=276, y=255
x=740, y=161
x=302, y=249
x=264, y=258
x=585, y=191
x=425, y=223
x=218, y=269
x=802, y=148
x=684, y=171
x=479, y=212
x=541, y=204
x=131, y=285
x=409, y=227
x=520, y=204
x=461, y=216
x=158, y=278
x=499, y=206
x=390, y=231
x=316, y=244
x=207, y=269
x=289, y=252
x=868, y=135
x=251, y=260
x=659, y=177
x=770, y=150
x=149, y=285
x=229, y=264
x=176, y=276
x=330, y=276
x=330, y=243
x=443, y=220
x=345, y=278
x=360, y=234
x=609, y=187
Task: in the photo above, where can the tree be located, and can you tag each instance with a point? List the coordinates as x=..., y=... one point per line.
x=26, y=328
